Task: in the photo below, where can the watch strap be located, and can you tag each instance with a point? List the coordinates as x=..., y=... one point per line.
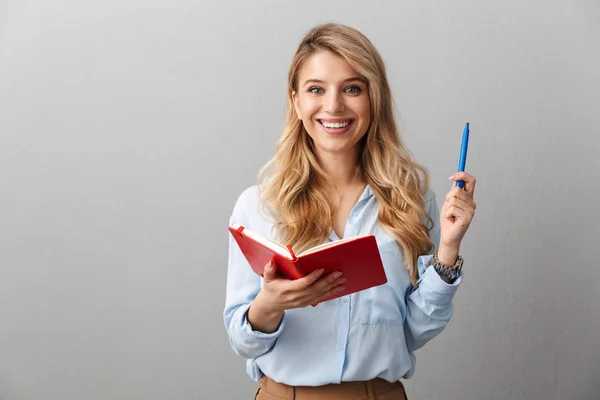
x=450, y=272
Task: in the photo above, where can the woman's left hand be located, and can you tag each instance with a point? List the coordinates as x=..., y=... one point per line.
x=456, y=214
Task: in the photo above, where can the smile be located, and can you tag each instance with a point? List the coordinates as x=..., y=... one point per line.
x=339, y=124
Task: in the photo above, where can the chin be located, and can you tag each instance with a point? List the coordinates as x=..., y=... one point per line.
x=334, y=148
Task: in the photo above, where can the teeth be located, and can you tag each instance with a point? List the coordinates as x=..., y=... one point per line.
x=335, y=125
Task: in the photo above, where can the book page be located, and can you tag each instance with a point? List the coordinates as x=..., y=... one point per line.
x=276, y=247
x=326, y=245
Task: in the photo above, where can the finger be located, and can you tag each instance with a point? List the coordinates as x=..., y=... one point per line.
x=331, y=281
x=322, y=285
x=463, y=202
x=456, y=191
x=463, y=176
x=327, y=294
x=469, y=181
x=270, y=272
x=460, y=199
x=450, y=212
x=454, y=214
x=456, y=204
x=306, y=281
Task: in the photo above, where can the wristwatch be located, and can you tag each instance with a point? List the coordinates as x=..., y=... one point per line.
x=452, y=272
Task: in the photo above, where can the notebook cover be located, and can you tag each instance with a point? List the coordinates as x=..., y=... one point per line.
x=358, y=259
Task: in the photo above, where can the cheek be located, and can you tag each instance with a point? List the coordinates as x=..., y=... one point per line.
x=307, y=107
x=366, y=115
x=364, y=109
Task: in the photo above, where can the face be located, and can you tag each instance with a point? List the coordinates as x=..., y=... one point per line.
x=333, y=103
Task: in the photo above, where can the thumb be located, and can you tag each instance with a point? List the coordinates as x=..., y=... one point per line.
x=269, y=272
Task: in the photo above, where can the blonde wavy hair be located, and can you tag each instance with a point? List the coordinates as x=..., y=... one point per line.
x=294, y=193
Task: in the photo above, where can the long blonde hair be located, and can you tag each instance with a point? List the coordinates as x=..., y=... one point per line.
x=294, y=195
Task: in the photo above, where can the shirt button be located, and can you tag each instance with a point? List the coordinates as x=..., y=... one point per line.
x=344, y=300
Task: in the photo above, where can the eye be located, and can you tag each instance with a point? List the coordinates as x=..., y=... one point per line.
x=353, y=89
x=315, y=90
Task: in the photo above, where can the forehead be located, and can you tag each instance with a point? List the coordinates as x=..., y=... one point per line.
x=326, y=66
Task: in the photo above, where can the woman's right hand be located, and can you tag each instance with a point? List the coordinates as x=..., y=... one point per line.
x=279, y=294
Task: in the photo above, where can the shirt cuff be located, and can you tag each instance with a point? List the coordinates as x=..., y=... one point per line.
x=431, y=285
x=247, y=331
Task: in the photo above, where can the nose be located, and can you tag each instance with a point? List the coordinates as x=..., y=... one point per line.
x=334, y=102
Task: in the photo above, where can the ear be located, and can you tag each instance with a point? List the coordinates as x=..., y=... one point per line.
x=295, y=101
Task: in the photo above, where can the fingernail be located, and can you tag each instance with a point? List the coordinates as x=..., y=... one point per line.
x=343, y=280
x=337, y=274
x=320, y=271
x=452, y=177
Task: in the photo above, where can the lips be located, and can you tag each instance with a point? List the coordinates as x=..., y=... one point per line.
x=336, y=126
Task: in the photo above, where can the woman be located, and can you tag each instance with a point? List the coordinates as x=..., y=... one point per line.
x=341, y=170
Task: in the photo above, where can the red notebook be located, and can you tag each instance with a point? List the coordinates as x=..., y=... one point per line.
x=356, y=257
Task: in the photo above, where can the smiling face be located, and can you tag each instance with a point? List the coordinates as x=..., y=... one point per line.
x=333, y=103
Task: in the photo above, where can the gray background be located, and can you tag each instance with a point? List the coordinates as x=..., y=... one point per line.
x=129, y=127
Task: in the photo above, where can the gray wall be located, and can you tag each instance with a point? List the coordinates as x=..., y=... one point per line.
x=128, y=128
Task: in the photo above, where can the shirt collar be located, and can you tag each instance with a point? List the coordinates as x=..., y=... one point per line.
x=367, y=193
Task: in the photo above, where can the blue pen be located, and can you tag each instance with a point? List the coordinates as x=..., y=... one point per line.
x=463, y=154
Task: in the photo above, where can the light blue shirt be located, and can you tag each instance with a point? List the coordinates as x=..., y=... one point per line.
x=369, y=334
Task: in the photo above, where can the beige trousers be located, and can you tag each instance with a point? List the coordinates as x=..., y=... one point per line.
x=375, y=389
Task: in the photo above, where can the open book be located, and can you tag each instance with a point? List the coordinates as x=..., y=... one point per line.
x=356, y=257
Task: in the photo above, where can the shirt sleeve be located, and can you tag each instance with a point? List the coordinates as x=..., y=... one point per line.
x=242, y=287
x=429, y=306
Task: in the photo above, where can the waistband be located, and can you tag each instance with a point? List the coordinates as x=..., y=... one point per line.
x=345, y=390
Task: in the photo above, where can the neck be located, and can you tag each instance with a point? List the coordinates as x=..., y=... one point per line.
x=340, y=169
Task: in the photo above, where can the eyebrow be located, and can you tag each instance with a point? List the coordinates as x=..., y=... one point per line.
x=353, y=79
